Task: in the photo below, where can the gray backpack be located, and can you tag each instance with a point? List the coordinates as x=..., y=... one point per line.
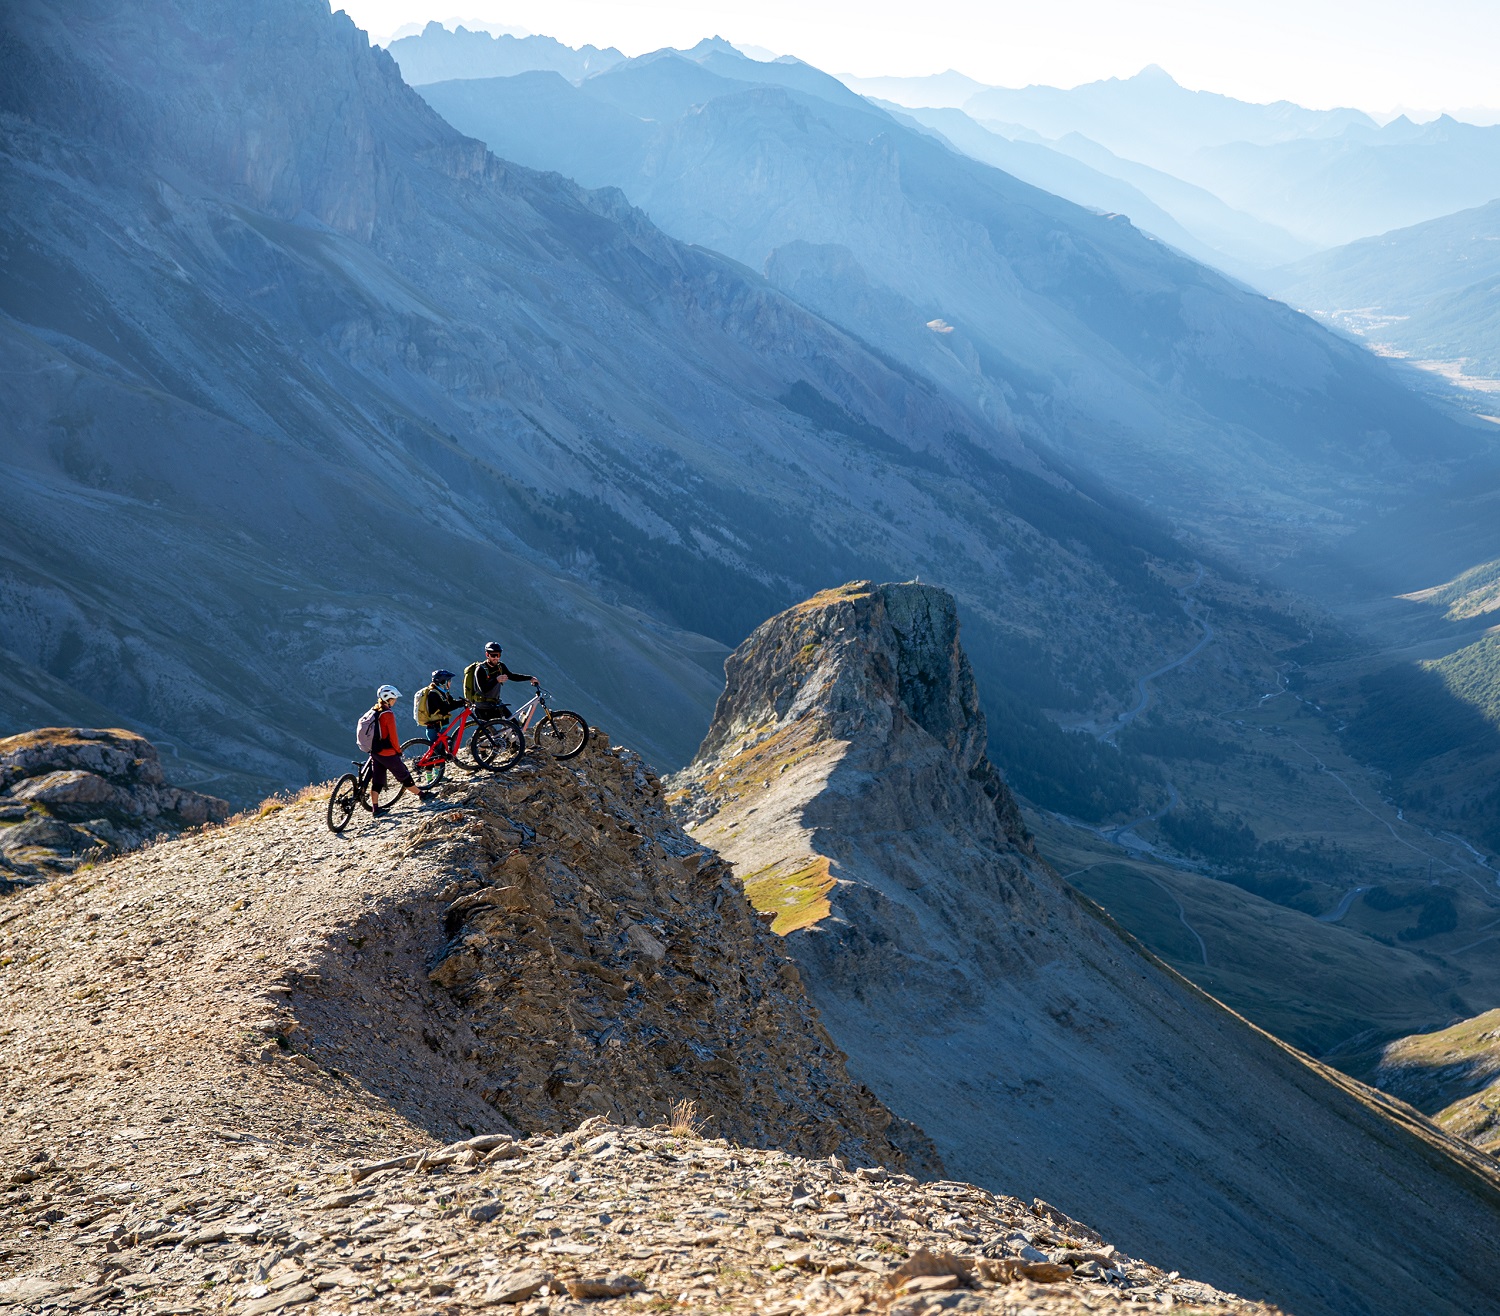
x=364, y=731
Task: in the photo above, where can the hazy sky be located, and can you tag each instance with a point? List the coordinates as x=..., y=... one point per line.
x=1373, y=54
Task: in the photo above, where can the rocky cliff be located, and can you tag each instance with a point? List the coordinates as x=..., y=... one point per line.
x=67, y=792
x=529, y=1047
x=846, y=777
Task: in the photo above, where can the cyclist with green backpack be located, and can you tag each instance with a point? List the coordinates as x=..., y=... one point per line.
x=433, y=707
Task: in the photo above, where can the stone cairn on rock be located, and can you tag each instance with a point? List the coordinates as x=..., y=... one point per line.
x=72, y=794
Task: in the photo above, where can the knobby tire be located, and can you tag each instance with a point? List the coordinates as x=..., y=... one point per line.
x=342, y=801
x=560, y=734
x=497, y=744
x=411, y=752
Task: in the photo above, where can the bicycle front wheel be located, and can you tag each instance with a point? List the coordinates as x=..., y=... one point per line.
x=342, y=801
x=424, y=774
x=497, y=744
x=560, y=734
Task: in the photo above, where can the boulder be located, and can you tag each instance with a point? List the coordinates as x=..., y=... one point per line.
x=68, y=792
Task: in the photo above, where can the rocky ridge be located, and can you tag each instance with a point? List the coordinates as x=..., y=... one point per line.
x=265, y=1066
x=71, y=792
x=846, y=778
x=1452, y=1075
x=661, y=1217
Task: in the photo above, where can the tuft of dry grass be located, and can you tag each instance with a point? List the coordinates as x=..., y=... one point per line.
x=684, y=1120
x=317, y=792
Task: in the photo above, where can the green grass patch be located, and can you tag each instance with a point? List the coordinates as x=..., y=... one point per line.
x=798, y=899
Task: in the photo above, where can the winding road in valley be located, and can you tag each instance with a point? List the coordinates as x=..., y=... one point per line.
x=1143, y=684
x=1124, y=835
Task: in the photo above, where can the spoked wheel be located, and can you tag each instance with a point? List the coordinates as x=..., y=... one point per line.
x=412, y=753
x=498, y=744
x=393, y=791
x=560, y=734
x=342, y=802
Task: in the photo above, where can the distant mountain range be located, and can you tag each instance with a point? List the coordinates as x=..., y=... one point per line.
x=1152, y=119
x=1429, y=291
x=1323, y=177
x=1227, y=412
x=1366, y=180
x=1189, y=218
x=436, y=54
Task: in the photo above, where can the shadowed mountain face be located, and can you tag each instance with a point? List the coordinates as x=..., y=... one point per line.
x=845, y=777
x=310, y=392
x=1237, y=417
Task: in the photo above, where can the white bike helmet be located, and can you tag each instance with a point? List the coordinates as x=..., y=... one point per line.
x=388, y=692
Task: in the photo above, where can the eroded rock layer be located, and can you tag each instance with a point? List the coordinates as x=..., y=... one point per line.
x=265, y=1066
x=67, y=792
x=553, y=1224
x=847, y=779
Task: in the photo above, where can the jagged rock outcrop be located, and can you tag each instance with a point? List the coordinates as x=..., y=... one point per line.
x=263, y=1064
x=66, y=792
x=846, y=778
x=1451, y=1075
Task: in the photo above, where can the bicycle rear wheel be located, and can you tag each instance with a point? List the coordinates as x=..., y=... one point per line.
x=342, y=801
x=394, y=789
x=560, y=734
x=497, y=744
x=425, y=775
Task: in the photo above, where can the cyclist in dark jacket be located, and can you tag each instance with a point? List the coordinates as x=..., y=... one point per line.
x=436, y=705
x=482, y=682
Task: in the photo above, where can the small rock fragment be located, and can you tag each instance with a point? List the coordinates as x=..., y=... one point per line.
x=613, y=1287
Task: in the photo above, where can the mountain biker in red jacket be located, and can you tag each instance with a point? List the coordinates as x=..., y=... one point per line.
x=385, y=750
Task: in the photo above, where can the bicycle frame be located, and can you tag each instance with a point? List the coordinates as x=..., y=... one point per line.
x=526, y=714
x=449, y=741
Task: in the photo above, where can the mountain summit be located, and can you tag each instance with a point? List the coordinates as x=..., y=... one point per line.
x=845, y=776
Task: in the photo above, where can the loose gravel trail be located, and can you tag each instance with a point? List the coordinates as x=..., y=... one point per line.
x=267, y=1068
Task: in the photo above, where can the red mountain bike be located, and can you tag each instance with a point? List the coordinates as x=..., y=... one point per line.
x=496, y=743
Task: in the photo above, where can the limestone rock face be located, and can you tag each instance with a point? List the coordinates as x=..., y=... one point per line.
x=846, y=777
x=67, y=791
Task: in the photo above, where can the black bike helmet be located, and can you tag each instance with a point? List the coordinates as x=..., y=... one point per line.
x=442, y=674
x=492, y=647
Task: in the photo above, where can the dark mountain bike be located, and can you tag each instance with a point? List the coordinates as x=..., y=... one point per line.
x=352, y=791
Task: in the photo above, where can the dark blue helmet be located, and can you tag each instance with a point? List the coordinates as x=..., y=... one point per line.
x=442, y=676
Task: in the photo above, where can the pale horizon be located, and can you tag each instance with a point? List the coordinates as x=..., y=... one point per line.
x=1312, y=53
